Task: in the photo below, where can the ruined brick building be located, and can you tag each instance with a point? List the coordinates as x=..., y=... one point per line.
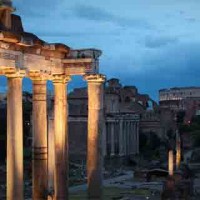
x=124, y=108
x=185, y=99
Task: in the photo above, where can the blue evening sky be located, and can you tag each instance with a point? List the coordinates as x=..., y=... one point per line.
x=151, y=44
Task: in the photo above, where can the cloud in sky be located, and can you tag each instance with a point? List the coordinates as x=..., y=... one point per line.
x=159, y=41
x=147, y=43
x=37, y=8
x=98, y=14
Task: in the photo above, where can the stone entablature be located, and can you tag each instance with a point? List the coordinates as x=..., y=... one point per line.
x=132, y=117
x=11, y=60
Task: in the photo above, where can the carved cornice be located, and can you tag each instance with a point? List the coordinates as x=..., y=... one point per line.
x=95, y=78
x=29, y=43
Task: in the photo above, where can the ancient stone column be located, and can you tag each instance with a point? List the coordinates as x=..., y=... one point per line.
x=128, y=137
x=104, y=143
x=51, y=152
x=131, y=138
x=137, y=138
x=121, y=152
x=40, y=151
x=14, y=138
x=178, y=150
x=61, y=137
x=125, y=137
x=95, y=128
x=112, y=138
x=171, y=163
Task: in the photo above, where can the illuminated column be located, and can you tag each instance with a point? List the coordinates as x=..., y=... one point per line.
x=171, y=163
x=51, y=152
x=121, y=152
x=112, y=139
x=61, y=137
x=95, y=128
x=40, y=171
x=178, y=150
x=14, y=138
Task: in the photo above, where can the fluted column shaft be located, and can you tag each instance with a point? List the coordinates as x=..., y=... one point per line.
x=104, y=143
x=135, y=138
x=125, y=137
x=121, y=152
x=128, y=138
x=51, y=152
x=131, y=138
x=14, y=139
x=138, y=138
x=61, y=138
x=95, y=129
x=40, y=171
x=112, y=138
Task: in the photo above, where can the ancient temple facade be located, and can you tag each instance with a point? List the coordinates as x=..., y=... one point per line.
x=23, y=54
x=121, y=133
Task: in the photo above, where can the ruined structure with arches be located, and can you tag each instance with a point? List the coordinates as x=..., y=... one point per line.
x=23, y=54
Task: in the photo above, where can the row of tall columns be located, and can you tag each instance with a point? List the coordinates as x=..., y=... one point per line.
x=59, y=170
x=126, y=133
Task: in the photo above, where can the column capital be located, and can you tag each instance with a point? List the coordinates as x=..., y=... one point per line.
x=15, y=73
x=37, y=76
x=95, y=78
x=60, y=78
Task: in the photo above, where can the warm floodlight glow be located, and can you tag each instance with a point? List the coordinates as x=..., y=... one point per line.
x=171, y=163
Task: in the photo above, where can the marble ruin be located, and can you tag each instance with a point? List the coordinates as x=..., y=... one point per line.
x=23, y=54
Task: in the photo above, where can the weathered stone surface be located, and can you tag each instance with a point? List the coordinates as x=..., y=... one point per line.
x=95, y=132
x=61, y=138
x=39, y=165
x=14, y=139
